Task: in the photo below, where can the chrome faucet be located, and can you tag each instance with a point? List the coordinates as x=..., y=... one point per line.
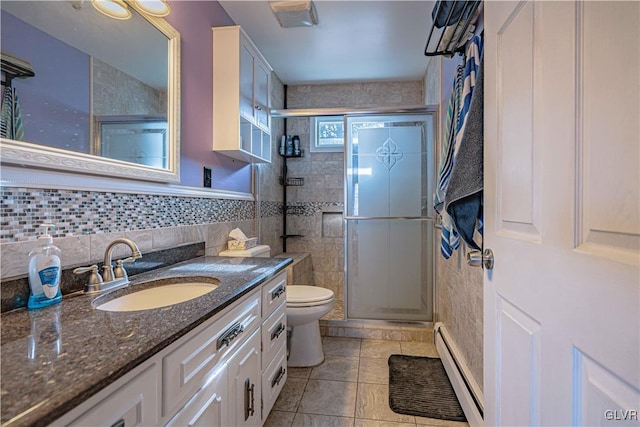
x=110, y=279
x=107, y=268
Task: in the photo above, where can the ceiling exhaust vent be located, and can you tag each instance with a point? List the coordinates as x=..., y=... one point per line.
x=295, y=13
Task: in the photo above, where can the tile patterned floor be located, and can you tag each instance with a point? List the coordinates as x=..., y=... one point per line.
x=349, y=389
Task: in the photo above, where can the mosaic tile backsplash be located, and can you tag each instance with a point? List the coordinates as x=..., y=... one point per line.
x=82, y=212
x=310, y=208
x=271, y=209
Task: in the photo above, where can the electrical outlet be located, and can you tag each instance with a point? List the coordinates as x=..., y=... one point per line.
x=207, y=181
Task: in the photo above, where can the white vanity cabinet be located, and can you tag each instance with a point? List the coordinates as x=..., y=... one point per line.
x=241, y=97
x=187, y=367
x=135, y=403
x=226, y=372
x=245, y=393
x=274, y=340
x=208, y=407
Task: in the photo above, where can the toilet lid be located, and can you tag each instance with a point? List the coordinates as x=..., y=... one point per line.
x=303, y=294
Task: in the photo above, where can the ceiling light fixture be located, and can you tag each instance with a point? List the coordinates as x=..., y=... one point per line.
x=157, y=8
x=295, y=13
x=116, y=9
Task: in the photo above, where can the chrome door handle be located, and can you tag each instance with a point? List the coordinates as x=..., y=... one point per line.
x=479, y=259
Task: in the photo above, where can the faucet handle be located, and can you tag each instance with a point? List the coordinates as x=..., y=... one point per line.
x=94, y=278
x=119, y=272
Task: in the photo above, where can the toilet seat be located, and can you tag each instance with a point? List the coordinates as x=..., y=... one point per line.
x=308, y=296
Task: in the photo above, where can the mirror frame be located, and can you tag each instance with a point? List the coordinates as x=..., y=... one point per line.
x=40, y=156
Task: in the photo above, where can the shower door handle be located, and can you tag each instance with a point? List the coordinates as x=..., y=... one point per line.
x=479, y=259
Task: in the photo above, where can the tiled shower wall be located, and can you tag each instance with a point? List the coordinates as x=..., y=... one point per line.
x=310, y=206
x=269, y=190
x=115, y=92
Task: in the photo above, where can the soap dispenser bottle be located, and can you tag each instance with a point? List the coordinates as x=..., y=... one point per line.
x=44, y=272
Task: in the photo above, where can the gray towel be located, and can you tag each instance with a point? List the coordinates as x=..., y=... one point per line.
x=463, y=201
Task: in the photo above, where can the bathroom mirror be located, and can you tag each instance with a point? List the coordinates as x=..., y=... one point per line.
x=104, y=97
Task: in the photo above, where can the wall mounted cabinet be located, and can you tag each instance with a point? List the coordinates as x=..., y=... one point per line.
x=241, y=97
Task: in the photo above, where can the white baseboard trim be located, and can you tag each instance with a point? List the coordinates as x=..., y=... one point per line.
x=465, y=386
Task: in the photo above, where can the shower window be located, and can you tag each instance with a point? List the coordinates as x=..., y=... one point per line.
x=327, y=134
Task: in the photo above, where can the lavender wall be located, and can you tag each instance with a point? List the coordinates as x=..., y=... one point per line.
x=194, y=19
x=55, y=103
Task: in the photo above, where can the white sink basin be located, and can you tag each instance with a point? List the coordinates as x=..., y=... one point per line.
x=160, y=296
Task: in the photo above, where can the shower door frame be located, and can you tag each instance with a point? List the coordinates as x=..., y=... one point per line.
x=428, y=110
x=432, y=110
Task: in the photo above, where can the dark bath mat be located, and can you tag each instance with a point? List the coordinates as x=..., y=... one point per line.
x=420, y=386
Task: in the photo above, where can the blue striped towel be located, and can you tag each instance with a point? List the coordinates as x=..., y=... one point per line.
x=18, y=124
x=471, y=67
x=6, y=114
x=11, y=124
x=449, y=238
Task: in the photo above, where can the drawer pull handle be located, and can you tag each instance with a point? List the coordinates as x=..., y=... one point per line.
x=277, y=292
x=119, y=423
x=229, y=335
x=249, y=399
x=278, y=378
x=275, y=334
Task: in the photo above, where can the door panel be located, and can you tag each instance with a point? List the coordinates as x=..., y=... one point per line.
x=515, y=68
x=600, y=393
x=608, y=126
x=562, y=303
x=518, y=374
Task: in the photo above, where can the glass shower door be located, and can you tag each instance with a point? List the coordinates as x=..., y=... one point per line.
x=389, y=227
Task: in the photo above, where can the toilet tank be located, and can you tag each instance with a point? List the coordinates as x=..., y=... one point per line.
x=260, y=251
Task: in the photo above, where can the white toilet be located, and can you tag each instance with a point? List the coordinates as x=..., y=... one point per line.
x=305, y=306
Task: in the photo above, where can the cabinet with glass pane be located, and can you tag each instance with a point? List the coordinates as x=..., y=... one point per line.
x=241, y=97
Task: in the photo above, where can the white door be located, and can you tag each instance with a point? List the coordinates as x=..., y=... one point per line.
x=562, y=213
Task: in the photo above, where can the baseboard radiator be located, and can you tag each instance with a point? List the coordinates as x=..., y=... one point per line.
x=467, y=390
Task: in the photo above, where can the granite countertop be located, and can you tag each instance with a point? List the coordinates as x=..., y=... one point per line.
x=55, y=358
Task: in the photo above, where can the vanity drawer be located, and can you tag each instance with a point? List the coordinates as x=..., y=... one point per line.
x=274, y=334
x=133, y=404
x=185, y=368
x=273, y=380
x=274, y=292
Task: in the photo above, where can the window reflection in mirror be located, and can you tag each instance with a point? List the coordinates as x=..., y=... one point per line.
x=96, y=80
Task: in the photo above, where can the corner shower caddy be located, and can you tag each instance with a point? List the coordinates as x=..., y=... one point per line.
x=288, y=182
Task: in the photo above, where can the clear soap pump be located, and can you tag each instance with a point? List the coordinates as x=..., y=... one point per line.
x=44, y=272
